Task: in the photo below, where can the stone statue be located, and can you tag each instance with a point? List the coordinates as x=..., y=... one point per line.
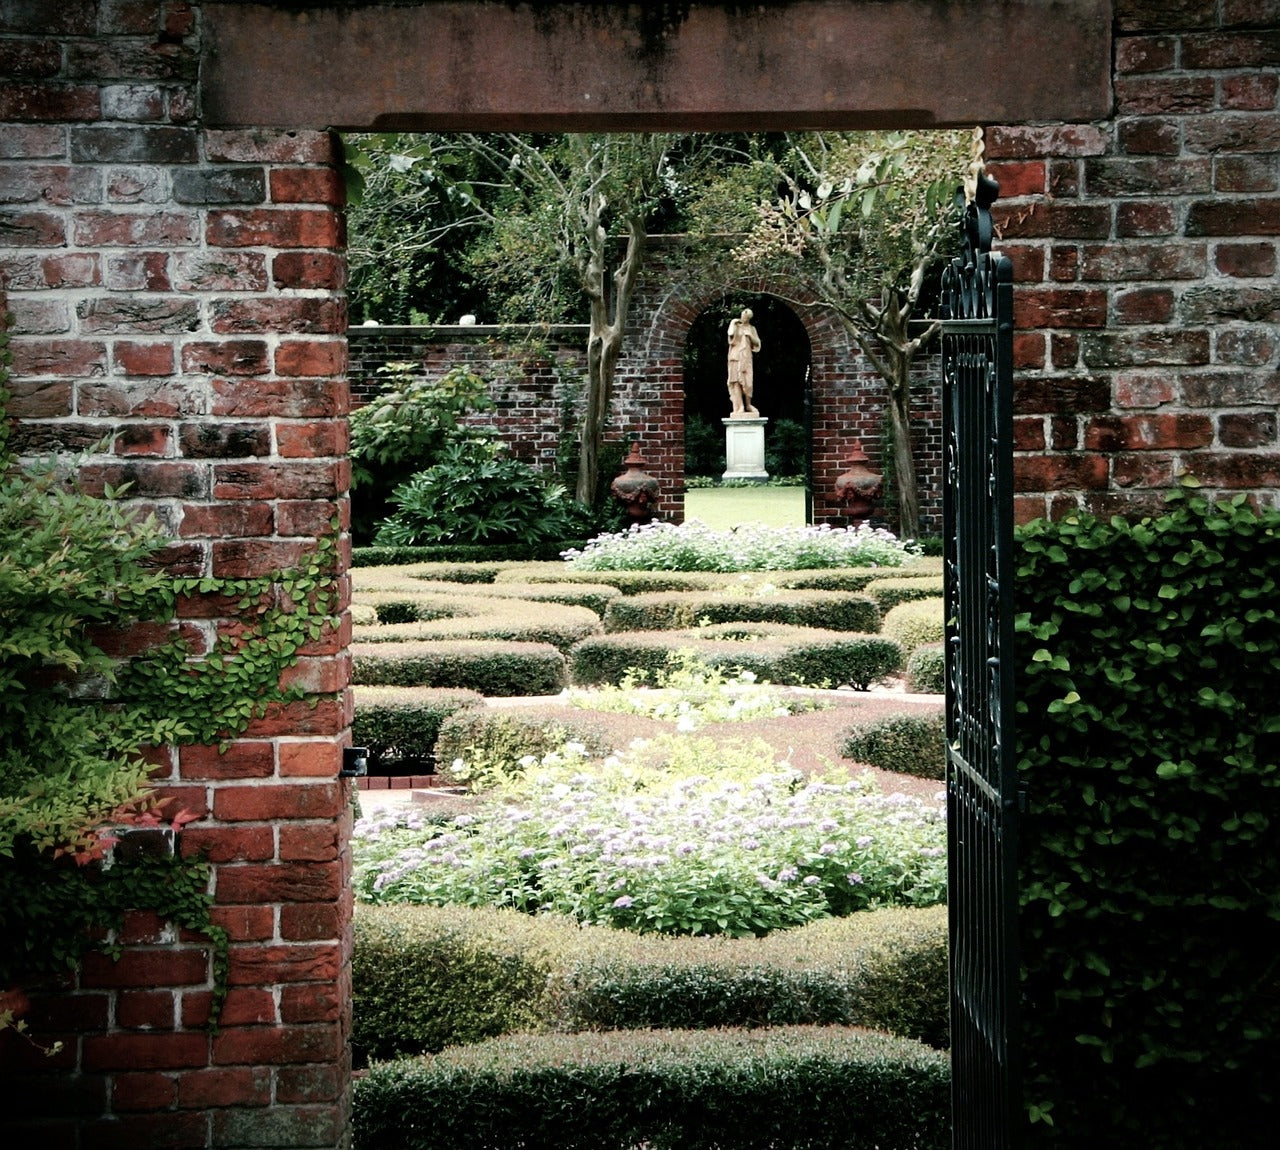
x=744, y=342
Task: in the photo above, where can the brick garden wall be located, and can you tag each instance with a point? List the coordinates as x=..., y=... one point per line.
x=178, y=290
x=537, y=395
x=1144, y=251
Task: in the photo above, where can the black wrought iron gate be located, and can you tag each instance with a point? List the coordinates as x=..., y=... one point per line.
x=977, y=347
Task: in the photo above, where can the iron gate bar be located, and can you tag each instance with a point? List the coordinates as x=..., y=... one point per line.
x=982, y=803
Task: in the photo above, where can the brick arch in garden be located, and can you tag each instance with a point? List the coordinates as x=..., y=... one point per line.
x=171, y=241
x=847, y=394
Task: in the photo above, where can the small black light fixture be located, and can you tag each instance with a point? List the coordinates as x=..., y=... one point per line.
x=355, y=762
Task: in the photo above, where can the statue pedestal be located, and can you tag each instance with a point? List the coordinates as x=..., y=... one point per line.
x=744, y=448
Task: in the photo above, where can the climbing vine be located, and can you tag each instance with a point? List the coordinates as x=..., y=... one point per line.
x=81, y=576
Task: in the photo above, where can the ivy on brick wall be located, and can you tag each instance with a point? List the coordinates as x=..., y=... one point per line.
x=1149, y=743
x=80, y=579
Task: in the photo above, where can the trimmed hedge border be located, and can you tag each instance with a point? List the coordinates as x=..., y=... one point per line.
x=674, y=610
x=794, y=656
x=492, y=668
x=425, y=978
x=915, y=623
x=910, y=744
x=400, y=725
x=888, y=593
x=460, y=553
x=798, y=1088
x=427, y=616
x=927, y=669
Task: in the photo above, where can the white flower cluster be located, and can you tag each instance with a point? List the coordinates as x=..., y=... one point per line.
x=693, y=546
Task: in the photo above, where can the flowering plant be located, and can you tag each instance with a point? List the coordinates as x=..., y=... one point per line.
x=674, y=835
x=692, y=546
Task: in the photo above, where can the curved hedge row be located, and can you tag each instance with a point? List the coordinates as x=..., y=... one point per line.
x=788, y=1088
x=888, y=593
x=915, y=622
x=401, y=724
x=796, y=656
x=492, y=668
x=673, y=610
x=425, y=978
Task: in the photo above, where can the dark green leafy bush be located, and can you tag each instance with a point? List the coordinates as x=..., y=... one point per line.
x=888, y=593
x=793, y=656
x=784, y=1088
x=927, y=669
x=492, y=668
x=628, y=582
x=506, y=736
x=1149, y=750
x=911, y=744
x=474, y=616
x=673, y=610
x=595, y=597
x=399, y=725
x=472, y=494
x=479, y=554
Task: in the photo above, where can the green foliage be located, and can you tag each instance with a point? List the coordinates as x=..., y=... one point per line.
x=424, y=978
x=501, y=739
x=787, y=449
x=888, y=593
x=703, y=447
x=472, y=495
x=800, y=1088
x=628, y=582
x=477, y=555
x=1149, y=749
x=399, y=725
x=490, y=667
x=911, y=744
x=915, y=622
x=797, y=656
x=674, y=610
x=927, y=669
x=403, y=430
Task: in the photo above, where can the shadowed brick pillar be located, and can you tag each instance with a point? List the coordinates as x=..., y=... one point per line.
x=1145, y=249
x=178, y=294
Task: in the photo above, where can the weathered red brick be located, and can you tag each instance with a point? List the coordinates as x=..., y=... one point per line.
x=241, y=759
x=306, y=186
x=154, y=439
x=23, y=229
x=312, y=357
x=307, y=1125
x=281, y=398
x=1136, y=54
x=262, y=803
x=138, y=271
x=311, y=1002
x=268, y=146
x=1147, y=432
x=133, y=358
x=1245, y=174
x=274, y=228
x=1256, y=92
x=1059, y=472
x=1134, y=348
x=1153, y=95
x=1246, y=260
x=1144, y=305
x=36, y=101
x=307, y=1084
x=1143, y=469
x=309, y=269
x=1150, y=135
x=294, y=315
x=32, y=142
x=246, y=923
x=173, y=1051
x=1004, y=142
x=220, y=271
x=214, y=520
x=119, y=229
x=143, y=1091
x=1028, y=434
x=1252, y=429
x=145, y=1009
x=1260, y=217
x=1135, y=389
x=246, y=1006
x=167, y=966
x=1035, y=395
x=157, y=398
x=279, y=480
x=328, y=717
x=1152, y=261
x=226, y=357
x=1060, y=307
x=1145, y=219
x=275, y=1045
x=230, y=1086
x=312, y=439
x=311, y=759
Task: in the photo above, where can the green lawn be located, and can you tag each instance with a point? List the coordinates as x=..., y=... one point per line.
x=725, y=507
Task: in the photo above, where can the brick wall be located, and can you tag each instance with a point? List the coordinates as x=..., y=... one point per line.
x=1144, y=251
x=538, y=396
x=177, y=293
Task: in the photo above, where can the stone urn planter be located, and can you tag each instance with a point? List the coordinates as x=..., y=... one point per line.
x=635, y=488
x=858, y=487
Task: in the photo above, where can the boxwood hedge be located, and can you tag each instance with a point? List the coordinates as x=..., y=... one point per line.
x=492, y=668
x=797, y=656
x=911, y=743
x=673, y=610
x=798, y=1088
x=400, y=725
x=915, y=622
x=423, y=615
x=927, y=669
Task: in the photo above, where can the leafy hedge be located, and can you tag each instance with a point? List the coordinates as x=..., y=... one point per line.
x=505, y=736
x=1149, y=750
x=915, y=622
x=628, y=582
x=399, y=725
x=672, y=610
x=927, y=669
x=595, y=597
x=443, y=616
x=459, y=553
x=799, y=1088
x=911, y=744
x=492, y=668
x=888, y=593
x=796, y=656
x=424, y=978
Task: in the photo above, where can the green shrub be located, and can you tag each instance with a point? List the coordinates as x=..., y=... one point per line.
x=888, y=593
x=401, y=724
x=798, y=1088
x=506, y=736
x=492, y=668
x=914, y=623
x=595, y=597
x=448, y=616
x=927, y=669
x=910, y=744
x=628, y=582
x=1149, y=750
x=472, y=494
x=796, y=656
x=448, y=554
x=424, y=978
x=673, y=610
